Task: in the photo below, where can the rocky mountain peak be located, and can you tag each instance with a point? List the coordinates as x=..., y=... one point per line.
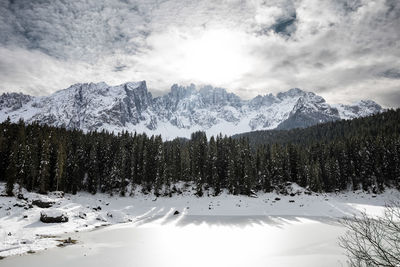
x=266, y=101
x=185, y=109
x=294, y=92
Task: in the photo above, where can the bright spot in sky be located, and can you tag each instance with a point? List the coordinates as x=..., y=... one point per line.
x=215, y=56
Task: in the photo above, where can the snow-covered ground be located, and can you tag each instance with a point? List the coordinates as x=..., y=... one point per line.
x=21, y=230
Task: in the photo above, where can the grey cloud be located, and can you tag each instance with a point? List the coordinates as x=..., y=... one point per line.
x=389, y=99
x=391, y=73
x=72, y=29
x=285, y=26
x=120, y=68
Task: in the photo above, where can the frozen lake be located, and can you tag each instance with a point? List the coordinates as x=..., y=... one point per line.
x=201, y=241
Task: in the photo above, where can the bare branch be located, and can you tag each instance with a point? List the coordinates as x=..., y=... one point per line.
x=373, y=241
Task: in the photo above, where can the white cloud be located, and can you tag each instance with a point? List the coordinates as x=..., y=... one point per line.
x=267, y=16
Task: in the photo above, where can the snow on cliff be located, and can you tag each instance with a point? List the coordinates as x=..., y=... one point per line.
x=185, y=109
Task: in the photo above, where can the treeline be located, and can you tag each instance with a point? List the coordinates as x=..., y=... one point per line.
x=43, y=158
x=384, y=124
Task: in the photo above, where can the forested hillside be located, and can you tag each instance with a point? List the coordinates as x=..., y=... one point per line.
x=385, y=124
x=358, y=154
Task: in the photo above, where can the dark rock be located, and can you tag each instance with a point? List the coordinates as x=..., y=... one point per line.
x=277, y=199
x=292, y=194
x=59, y=194
x=42, y=204
x=21, y=196
x=291, y=201
x=19, y=205
x=176, y=212
x=374, y=190
x=66, y=242
x=25, y=216
x=53, y=219
x=101, y=218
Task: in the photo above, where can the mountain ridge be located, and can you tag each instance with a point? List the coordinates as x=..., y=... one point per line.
x=183, y=110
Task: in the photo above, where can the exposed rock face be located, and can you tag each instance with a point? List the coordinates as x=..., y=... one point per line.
x=53, y=216
x=185, y=109
x=13, y=101
x=42, y=204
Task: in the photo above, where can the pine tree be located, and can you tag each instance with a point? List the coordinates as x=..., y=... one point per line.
x=315, y=177
x=11, y=171
x=21, y=153
x=123, y=162
x=93, y=170
x=293, y=163
x=159, y=165
x=44, y=168
x=232, y=171
x=6, y=147
x=212, y=171
x=248, y=168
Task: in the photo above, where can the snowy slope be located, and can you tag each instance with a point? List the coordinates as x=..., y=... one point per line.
x=185, y=109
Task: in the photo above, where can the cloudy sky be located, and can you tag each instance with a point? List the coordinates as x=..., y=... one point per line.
x=343, y=50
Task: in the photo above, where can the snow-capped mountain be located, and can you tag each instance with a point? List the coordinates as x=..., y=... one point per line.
x=185, y=109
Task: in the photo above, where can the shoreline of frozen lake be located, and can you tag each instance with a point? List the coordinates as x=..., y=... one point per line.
x=200, y=240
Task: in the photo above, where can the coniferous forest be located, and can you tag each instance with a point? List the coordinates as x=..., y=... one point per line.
x=363, y=153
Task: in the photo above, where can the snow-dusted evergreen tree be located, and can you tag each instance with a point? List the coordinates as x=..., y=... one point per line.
x=315, y=177
x=212, y=170
x=60, y=166
x=199, y=160
x=12, y=169
x=93, y=169
x=159, y=164
x=44, y=167
x=232, y=172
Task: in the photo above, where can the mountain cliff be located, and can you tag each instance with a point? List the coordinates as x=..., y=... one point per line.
x=185, y=109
